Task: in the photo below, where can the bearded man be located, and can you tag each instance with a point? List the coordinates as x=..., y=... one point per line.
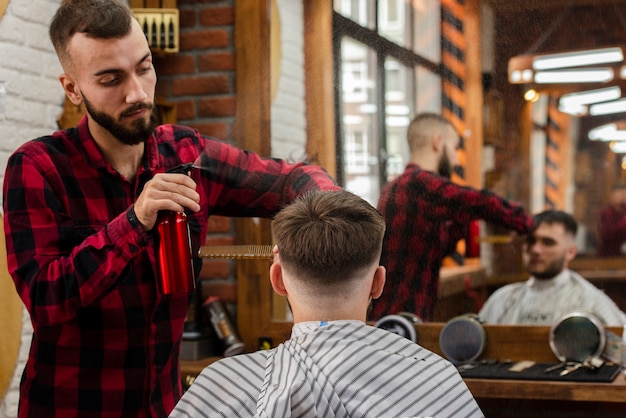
x=553, y=290
x=426, y=214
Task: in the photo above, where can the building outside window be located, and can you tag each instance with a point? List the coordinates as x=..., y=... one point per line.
x=387, y=63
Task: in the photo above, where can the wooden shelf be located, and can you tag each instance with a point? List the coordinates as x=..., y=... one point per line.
x=190, y=369
x=549, y=390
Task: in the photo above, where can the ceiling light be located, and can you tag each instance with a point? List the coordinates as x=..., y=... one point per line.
x=588, y=75
x=578, y=58
x=618, y=147
x=590, y=96
x=615, y=106
x=573, y=109
x=524, y=69
x=531, y=95
x=609, y=132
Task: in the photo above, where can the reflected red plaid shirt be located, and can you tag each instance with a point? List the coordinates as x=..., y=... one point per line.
x=426, y=215
x=105, y=343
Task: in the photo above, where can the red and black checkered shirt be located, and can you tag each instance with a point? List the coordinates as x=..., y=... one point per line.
x=426, y=215
x=106, y=343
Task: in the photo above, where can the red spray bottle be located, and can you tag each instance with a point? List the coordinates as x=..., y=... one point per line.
x=173, y=249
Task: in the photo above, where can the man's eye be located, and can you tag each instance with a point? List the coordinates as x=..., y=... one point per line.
x=109, y=81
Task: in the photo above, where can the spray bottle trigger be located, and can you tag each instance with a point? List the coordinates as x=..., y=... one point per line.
x=181, y=169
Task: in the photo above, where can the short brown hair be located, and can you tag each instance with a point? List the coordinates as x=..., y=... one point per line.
x=98, y=19
x=328, y=236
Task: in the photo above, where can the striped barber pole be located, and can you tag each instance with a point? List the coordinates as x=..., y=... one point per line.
x=453, y=46
x=557, y=151
x=454, y=43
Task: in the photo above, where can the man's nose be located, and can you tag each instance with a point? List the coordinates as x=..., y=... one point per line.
x=135, y=92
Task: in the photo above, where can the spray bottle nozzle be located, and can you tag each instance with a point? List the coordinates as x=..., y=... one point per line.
x=181, y=169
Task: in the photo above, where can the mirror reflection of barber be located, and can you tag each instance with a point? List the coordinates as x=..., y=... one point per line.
x=552, y=290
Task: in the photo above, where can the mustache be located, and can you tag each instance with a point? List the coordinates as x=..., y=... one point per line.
x=136, y=107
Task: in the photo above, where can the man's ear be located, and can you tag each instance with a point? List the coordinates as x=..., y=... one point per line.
x=71, y=88
x=276, y=279
x=436, y=142
x=378, y=283
x=571, y=252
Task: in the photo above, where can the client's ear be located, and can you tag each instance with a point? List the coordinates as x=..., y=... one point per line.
x=276, y=278
x=378, y=283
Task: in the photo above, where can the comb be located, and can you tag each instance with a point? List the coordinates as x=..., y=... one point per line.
x=258, y=252
x=495, y=239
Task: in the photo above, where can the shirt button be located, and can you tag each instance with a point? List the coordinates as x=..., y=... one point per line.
x=133, y=248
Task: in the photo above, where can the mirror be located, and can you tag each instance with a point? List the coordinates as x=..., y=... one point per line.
x=586, y=170
x=579, y=172
x=577, y=336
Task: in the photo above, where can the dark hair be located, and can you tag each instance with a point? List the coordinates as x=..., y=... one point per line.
x=552, y=216
x=99, y=19
x=328, y=236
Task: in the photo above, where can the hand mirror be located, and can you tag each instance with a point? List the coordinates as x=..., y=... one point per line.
x=398, y=324
x=462, y=339
x=577, y=336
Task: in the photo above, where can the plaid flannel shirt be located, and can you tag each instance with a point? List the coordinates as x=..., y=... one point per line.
x=106, y=343
x=426, y=215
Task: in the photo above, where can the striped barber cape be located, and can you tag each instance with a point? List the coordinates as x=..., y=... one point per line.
x=331, y=369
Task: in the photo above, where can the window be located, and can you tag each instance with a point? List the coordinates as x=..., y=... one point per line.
x=383, y=83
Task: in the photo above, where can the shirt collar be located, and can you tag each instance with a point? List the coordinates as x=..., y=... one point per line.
x=302, y=328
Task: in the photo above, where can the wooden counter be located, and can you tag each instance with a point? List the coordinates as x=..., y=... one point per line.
x=529, y=398
x=452, y=280
x=515, y=398
x=461, y=290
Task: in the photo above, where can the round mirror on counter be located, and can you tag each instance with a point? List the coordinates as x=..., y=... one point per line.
x=577, y=336
x=462, y=339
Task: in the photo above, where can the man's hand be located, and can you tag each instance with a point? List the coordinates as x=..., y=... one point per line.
x=166, y=191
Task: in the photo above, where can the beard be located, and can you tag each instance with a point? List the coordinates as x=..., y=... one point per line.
x=140, y=129
x=445, y=168
x=550, y=271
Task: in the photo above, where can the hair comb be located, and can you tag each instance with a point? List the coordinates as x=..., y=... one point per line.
x=259, y=252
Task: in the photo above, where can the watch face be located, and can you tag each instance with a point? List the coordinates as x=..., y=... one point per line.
x=462, y=339
x=398, y=324
x=577, y=336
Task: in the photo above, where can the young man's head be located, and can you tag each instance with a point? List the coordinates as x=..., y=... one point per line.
x=107, y=67
x=551, y=244
x=617, y=198
x=432, y=134
x=328, y=246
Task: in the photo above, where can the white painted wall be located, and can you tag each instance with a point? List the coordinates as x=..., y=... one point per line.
x=288, y=119
x=32, y=101
x=28, y=69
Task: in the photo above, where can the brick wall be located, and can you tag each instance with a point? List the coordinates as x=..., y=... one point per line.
x=200, y=81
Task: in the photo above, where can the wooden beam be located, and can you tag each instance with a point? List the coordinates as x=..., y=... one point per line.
x=319, y=83
x=252, y=127
x=474, y=96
